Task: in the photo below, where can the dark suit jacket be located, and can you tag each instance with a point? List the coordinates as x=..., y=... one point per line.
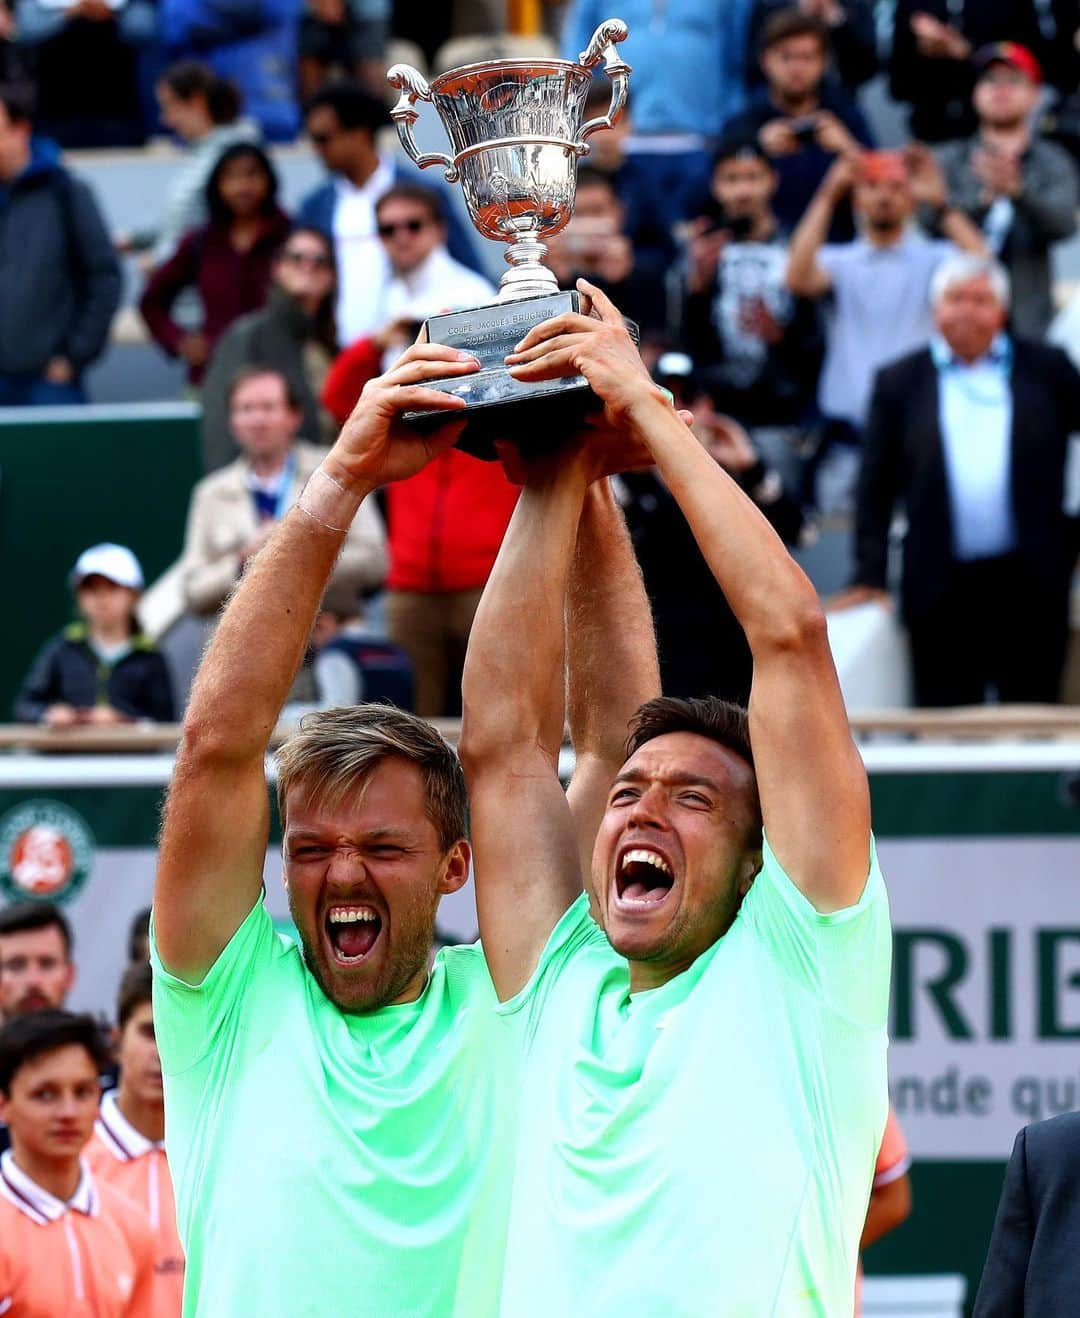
x=1033, y=1264
x=903, y=459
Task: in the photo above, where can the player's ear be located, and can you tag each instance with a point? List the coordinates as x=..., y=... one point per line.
x=457, y=867
x=748, y=871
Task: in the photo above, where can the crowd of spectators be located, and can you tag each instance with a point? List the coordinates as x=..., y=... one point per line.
x=859, y=328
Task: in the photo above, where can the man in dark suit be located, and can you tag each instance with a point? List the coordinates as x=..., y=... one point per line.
x=971, y=433
x=1031, y=1265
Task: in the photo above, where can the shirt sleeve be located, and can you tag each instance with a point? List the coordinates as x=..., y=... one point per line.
x=191, y=1020
x=574, y=932
x=842, y=957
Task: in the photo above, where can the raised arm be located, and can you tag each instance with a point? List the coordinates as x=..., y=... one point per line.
x=525, y=844
x=217, y=819
x=806, y=277
x=814, y=793
x=611, y=661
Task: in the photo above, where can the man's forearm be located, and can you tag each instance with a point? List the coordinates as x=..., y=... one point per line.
x=760, y=580
x=512, y=687
x=259, y=643
x=611, y=646
x=807, y=240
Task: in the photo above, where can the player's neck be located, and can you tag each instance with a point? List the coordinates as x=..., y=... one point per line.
x=646, y=975
x=58, y=1176
x=1011, y=139
x=147, y=1118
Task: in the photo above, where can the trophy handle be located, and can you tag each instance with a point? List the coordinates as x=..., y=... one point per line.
x=414, y=87
x=603, y=47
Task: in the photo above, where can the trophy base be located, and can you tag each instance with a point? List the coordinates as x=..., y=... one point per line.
x=537, y=417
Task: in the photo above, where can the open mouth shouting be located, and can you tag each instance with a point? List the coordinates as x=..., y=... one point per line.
x=644, y=878
x=352, y=932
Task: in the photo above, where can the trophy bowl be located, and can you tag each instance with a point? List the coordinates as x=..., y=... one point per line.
x=517, y=130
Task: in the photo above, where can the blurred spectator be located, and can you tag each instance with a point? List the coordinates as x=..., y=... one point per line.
x=932, y=45
x=350, y=664
x=1021, y=190
x=701, y=647
x=972, y=434
x=595, y=245
x=234, y=511
x=16, y=64
x=761, y=346
x=689, y=62
x=878, y=288
x=100, y=670
x=852, y=38
x=293, y=334
x=445, y=526
x=138, y=948
x=203, y=111
x=343, y=38
x=36, y=969
x=342, y=121
x=228, y=260
x=70, y=37
x=801, y=122
x=422, y=279
x=64, y=1237
x=646, y=220
x=411, y=224
x=890, y=1195
x=253, y=43
x=1065, y=330
x=127, y=1150
x=58, y=272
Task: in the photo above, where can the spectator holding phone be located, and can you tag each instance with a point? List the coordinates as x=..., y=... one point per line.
x=801, y=123
x=101, y=669
x=758, y=346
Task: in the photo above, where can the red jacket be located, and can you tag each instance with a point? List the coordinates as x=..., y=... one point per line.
x=446, y=523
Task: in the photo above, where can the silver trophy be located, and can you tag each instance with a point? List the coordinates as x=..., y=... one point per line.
x=517, y=132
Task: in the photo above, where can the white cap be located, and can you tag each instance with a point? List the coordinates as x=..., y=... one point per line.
x=114, y=562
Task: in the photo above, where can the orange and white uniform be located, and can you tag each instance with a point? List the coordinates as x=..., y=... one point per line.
x=120, y=1156
x=92, y=1257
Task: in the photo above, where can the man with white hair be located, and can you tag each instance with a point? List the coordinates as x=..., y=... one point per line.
x=971, y=434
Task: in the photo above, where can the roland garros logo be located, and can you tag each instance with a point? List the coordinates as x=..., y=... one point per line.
x=46, y=850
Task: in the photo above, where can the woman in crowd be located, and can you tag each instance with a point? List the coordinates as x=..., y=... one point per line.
x=203, y=111
x=228, y=260
x=294, y=334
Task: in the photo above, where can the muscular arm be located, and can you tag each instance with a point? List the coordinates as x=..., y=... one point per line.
x=525, y=851
x=805, y=275
x=814, y=795
x=612, y=667
x=217, y=819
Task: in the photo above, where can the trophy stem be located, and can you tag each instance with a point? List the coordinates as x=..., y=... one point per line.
x=527, y=276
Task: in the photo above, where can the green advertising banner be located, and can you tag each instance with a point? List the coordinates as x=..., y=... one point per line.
x=980, y=846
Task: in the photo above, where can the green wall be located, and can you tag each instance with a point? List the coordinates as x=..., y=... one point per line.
x=70, y=477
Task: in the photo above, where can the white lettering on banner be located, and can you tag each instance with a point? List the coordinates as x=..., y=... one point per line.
x=986, y=988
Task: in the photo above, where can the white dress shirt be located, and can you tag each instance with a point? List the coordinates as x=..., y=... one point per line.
x=363, y=267
x=975, y=412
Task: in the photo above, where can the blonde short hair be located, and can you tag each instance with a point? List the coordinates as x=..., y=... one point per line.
x=334, y=750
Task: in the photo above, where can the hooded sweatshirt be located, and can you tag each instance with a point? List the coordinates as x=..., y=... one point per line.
x=58, y=271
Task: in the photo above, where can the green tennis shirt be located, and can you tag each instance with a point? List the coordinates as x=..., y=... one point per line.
x=706, y=1148
x=332, y=1164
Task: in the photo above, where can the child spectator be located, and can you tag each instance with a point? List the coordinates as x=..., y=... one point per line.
x=295, y=334
x=127, y=1150
x=68, y=1245
x=203, y=111
x=229, y=260
x=101, y=669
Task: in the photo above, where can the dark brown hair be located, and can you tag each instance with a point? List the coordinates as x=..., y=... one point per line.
x=792, y=23
x=426, y=197
x=255, y=371
x=136, y=987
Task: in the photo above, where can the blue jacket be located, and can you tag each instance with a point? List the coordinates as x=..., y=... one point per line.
x=688, y=59
x=251, y=42
x=318, y=207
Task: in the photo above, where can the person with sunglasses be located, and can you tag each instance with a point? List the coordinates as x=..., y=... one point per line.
x=295, y=334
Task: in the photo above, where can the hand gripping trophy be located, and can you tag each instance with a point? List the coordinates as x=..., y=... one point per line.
x=516, y=129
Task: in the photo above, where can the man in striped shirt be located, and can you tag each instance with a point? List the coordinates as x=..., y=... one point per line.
x=68, y=1246
x=127, y=1150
